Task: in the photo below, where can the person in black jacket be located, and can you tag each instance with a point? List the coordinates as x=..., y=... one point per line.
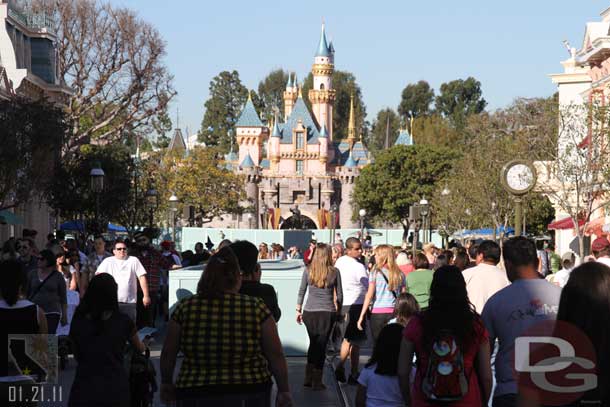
x=247, y=254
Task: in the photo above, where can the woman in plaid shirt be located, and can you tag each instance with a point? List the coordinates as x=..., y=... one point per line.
x=230, y=343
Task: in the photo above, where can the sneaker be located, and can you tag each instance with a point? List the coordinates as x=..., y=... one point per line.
x=340, y=374
x=353, y=379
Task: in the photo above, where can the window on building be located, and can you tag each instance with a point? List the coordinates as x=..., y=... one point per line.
x=299, y=169
x=321, y=86
x=300, y=140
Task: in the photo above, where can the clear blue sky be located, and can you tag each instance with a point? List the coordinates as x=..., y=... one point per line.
x=510, y=47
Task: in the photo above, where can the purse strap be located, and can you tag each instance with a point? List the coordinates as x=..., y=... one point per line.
x=37, y=290
x=388, y=283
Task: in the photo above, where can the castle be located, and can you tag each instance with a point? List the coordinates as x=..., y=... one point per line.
x=299, y=172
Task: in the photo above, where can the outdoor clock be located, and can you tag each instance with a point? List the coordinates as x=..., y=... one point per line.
x=518, y=177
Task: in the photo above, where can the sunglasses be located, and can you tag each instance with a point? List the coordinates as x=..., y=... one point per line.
x=121, y=249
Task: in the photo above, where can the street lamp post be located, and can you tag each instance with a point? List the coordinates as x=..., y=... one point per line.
x=173, y=205
x=152, y=200
x=333, y=213
x=415, y=219
x=264, y=220
x=424, y=210
x=97, y=186
x=444, y=194
x=362, y=214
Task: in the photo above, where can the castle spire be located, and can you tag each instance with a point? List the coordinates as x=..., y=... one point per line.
x=323, y=50
x=351, y=127
x=289, y=83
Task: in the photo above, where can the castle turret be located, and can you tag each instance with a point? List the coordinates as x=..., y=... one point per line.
x=322, y=95
x=290, y=95
x=323, y=140
x=251, y=134
x=274, y=146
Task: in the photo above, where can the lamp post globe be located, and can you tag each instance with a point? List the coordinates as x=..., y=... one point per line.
x=362, y=213
x=173, y=204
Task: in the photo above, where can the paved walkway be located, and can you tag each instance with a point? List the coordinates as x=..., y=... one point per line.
x=296, y=370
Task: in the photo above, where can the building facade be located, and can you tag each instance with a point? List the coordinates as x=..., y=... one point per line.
x=298, y=169
x=29, y=68
x=585, y=80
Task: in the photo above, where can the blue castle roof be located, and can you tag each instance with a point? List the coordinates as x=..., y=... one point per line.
x=299, y=112
x=404, y=139
x=323, y=49
x=323, y=132
x=359, y=153
x=350, y=163
x=247, y=162
x=248, y=116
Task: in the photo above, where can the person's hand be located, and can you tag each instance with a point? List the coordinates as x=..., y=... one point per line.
x=284, y=399
x=360, y=324
x=146, y=300
x=299, y=317
x=168, y=393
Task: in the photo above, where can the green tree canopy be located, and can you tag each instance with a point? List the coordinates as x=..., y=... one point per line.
x=31, y=135
x=386, y=123
x=271, y=91
x=70, y=191
x=399, y=177
x=459, y=99
x=416, y=100
x=222, y=109
x=435, y=130
x=345, y=85
x=200, y=180
x=162, y=125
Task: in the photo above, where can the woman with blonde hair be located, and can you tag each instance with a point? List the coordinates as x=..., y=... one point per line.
x=263, y=251
x=385, y=285
x=323, y=282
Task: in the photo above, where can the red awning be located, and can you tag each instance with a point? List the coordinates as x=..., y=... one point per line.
x=565, y=223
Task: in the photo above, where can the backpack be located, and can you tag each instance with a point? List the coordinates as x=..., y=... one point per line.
x=445, y=377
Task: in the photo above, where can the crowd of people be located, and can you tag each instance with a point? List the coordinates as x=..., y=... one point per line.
x=435, y=318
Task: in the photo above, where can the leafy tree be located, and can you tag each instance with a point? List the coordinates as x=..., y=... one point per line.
x=399, y=177
x=435, y=130
x=115, y=64
x=271, y=91
x=538, y=213
x=345, y=86
x=162, y=126
x=416, y=100
x=222, y=109
x=31, y=136
x=201, y=181
x=70, y=190
x=386, y=123
x=460, y=98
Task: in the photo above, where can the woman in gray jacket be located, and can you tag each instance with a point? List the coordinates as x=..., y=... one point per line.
x=47, y=289
x=323, y=282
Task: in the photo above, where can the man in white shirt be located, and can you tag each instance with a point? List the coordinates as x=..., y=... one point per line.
x=355, y=282
x=126, y=270
x=485, y=279
x=601, y=250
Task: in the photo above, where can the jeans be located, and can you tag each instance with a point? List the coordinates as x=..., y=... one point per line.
x=128, y=309
x=319, y=325
x=260, y=399
x=378, y=321
x=52, y=322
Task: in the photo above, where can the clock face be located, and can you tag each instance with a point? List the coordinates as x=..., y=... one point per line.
x=520, y=177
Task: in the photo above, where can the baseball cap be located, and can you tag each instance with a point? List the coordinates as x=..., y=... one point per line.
x=599, y=244
x=166, y=244
x=402, y=259
x=568, y=256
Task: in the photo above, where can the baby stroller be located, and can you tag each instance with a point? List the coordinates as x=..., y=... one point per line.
x=142, y=378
